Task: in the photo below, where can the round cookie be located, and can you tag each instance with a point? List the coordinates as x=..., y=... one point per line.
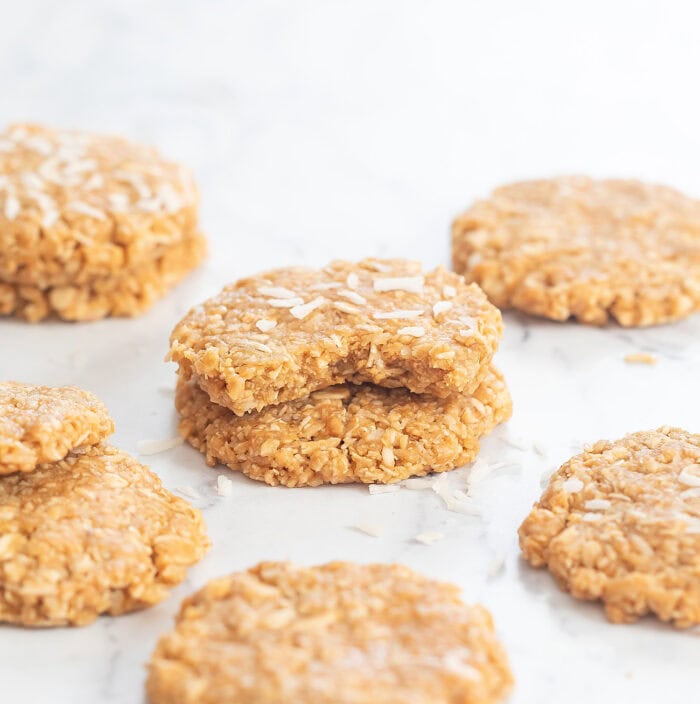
x=621, y=523
x=41, y=424
x=87, y=220
x=340, y=633
x=575, y=247
x=94, y=533
x=345, y=433
x=127, y=294
x=283, y=334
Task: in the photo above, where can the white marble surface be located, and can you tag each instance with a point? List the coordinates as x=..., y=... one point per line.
x=322, y=129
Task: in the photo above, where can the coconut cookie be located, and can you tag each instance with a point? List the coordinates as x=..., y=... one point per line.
x=94, y=533
x=40, y=424
x=84, y=212
x=345, y=433
x=281, y=335
x=128, y=294
x=340, y=633
x=575, y=247
x=621, y=523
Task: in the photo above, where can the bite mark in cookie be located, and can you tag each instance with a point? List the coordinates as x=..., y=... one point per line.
x=282, y=335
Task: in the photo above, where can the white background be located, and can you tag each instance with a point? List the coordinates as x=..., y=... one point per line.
x=344, y=129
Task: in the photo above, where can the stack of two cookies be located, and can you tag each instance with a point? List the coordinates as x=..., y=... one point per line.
x=84, y=528
x=370, y=372
x=90, y=225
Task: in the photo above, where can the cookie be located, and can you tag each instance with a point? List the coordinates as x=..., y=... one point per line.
x=345, y=433
x=340, y=633
x=284, y=334
x=127, y=294
x=94, y=533
x=621, y=523
x=76, y=206
x=575, y=247
x=40, y=424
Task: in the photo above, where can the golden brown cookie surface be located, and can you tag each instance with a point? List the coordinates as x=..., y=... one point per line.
x=339, y=633
x=621, y=523
x=283, y=334
x=41, y=424
x=76, y=206
x=94, y=533
x=345, y=433
x=574, y=247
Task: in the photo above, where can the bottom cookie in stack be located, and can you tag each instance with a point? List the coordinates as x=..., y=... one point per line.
x=345, y=433
x=126, y=293
x=85, y=529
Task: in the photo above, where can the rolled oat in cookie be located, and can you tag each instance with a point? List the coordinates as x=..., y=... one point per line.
x=620, y=523
x=575, y=247
x=94, y=533
x=339, y=633
x=345, y=433
x=40, y=424
x=283, y=334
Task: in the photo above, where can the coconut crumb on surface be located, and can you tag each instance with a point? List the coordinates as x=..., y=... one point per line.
x=374, y=530
x=429, y=537
x=224, y=486
x=383, y=488
x=155, y=446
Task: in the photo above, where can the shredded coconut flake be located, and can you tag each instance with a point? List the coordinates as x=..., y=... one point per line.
x=12, y=207
x=382, y=488
x=345, y=307
x=429, y=538
x=441, y=307
x=301, y=311
x=397, y=314
x=276, y=292
x=85, y=209
x=153, y=447
x=353, y=280
x=410, y=284
x=449, y=291
x=254, y=345
x=285, y=302
x=597, y=504
x=189, y=491
x=688, y=477
x=572, y=485
x=353, y=297
x=416, y=331
x=372, y=529
x=224, y=486
x=265, y=325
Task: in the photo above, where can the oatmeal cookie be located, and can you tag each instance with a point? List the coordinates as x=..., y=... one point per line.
x=340, y=633
x=575, y=247
x=345, y=433
x=41, y=424
x=76, y=206
x=127, y=294
x=283, y=334
x=621, y=523
x=94, y=533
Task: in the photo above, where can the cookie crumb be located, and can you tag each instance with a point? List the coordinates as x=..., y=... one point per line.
x=640, y=358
